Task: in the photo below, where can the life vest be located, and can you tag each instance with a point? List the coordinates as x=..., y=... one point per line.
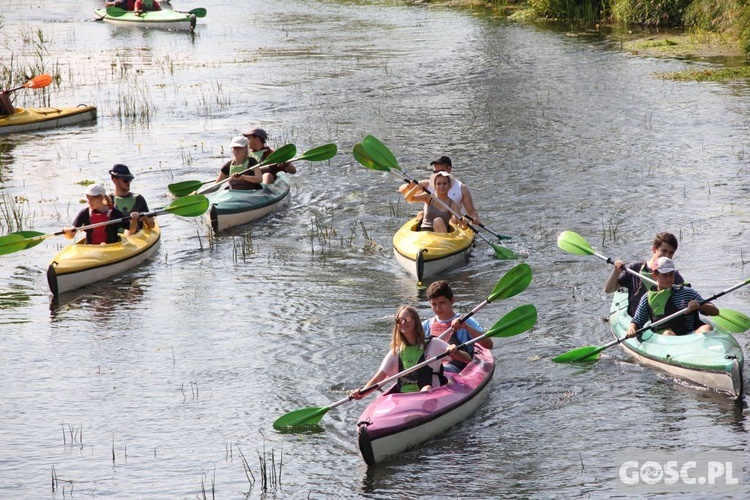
x=240, y=184
x=437, y=328
x=98, y=235
x=410, y=356
x=660, y=306
x=125, y=204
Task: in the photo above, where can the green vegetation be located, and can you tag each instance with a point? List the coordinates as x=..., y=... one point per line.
x=729, y=19
x=709, y=75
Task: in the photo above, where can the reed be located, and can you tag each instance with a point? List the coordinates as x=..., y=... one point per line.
x=15, y=213
x=56, y=484
x=242, y=247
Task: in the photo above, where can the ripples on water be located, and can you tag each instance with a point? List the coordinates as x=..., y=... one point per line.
x=174, y=366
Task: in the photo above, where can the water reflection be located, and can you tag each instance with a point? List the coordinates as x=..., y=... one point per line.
x=104, y=300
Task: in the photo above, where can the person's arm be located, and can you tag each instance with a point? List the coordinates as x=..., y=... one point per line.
x=612, y=284
x=416, y=195
x=142, y=206
x=132, y=224
x=253, y=176
x=457, y=354
x=357, y=393
x=468, y=203
x=708, y=308
x=223, y=173
x=475, y=330
x=639, y=318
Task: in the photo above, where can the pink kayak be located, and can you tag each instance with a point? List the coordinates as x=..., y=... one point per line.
x=397, y=422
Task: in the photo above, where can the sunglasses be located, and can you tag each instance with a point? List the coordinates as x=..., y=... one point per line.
x=405, y=319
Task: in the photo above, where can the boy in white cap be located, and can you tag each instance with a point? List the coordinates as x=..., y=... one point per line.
x=668, y=299
x=97, y=212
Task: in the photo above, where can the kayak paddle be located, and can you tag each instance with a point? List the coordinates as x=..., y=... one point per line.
x=320, y=153
x=574, y=243
x=515, y=322
x=189, y=206
x=512, y=283
x=198, y=12
x=374, y=155
x=736, y=322
x=37, y=82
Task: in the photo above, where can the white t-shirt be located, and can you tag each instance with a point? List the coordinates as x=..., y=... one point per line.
x=389, y=366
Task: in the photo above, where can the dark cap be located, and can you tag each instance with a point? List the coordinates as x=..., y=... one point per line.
x=443, y=160
x=121, y=171
x=257, y=132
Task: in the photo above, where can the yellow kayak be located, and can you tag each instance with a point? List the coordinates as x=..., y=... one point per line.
x=33, y=119
x=80, y=264
x=426, y=254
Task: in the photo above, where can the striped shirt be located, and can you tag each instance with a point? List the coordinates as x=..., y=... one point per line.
x=680, y=297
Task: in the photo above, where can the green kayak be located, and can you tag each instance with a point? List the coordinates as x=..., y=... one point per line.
x=158, y=19
x=714, y=359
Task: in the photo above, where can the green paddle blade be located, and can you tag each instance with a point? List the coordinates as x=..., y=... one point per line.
x=116, y=12
x=732, y=321
x=502, y=252
x=21, y=240
x=379, y=153
x=299, y=418
x=321, y=153
x=588, y=353
x=199, y=12
x=184, y=188
x=364, y=159
x=514, y=282
x=574, y=243
x=189, y=206
x=281, y=155
x=515, y=322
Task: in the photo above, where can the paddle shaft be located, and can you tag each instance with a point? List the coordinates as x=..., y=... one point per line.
x=627, y=269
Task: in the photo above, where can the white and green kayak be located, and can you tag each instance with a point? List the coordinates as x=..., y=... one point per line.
x=714, y=359
x=158, y=19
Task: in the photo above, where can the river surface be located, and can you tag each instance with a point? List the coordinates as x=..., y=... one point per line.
x=155, y=384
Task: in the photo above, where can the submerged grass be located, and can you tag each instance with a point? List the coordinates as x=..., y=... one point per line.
x=709, y=74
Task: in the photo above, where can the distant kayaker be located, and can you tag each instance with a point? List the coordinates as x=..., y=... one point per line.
x=436, y=217
x=241, y=169
x=128, y=5
x=142, y=6
x=669, y=298
x=664, y=245
x=440, y=295
x=409, y=346
x=256, y=139
x=98, y=211
x=6, y=106
x=459, y=193
x=124, y=199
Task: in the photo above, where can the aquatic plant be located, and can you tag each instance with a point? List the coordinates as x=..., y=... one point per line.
x=14, y=213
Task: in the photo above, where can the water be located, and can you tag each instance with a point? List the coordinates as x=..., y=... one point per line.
x=150, y=386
